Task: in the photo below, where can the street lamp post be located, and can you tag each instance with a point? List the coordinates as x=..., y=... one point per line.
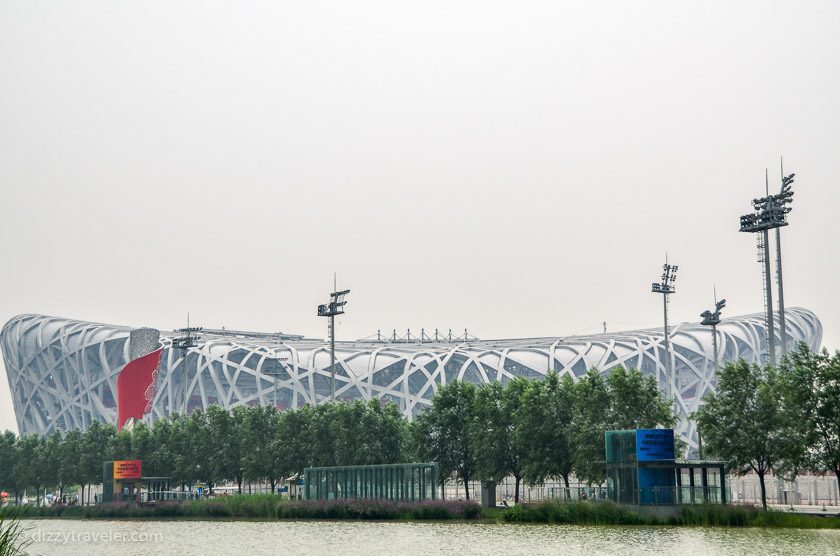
x=330, y=310
x=666, y=287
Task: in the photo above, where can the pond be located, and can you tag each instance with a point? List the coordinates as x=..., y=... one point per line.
x=127, y=538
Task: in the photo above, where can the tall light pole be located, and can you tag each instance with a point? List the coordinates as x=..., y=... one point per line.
x=666, y=287
x=274, y=374
x=184, y=343
x=785, y=197
x=768, y=213
x=713, y=319
x=330, y=310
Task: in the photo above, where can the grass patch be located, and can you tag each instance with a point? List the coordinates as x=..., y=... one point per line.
x=609, y=513
x=577, y=513
x=12, y=540
x=266, y=506
x=271, y=507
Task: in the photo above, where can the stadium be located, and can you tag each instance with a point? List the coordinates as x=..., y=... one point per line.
x=66, y=373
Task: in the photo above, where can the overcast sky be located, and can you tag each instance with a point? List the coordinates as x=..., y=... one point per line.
x=515, y=168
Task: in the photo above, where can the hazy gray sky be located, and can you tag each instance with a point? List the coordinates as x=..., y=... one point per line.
x=516, y=168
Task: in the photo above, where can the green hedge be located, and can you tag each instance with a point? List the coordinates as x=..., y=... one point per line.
x=609, y=513
x=270, y=507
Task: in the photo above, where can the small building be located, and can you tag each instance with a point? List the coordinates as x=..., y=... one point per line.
x=123, y=481
x=399, y=481
x=642, y=469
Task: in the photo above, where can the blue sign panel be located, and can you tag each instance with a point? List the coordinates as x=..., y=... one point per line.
x=655, y=444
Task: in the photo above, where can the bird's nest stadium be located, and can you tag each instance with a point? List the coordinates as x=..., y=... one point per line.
x=64, y=373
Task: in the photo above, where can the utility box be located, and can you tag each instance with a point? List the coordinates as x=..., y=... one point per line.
x=488, y=494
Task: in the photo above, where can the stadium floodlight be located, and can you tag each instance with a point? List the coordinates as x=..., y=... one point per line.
x=712, y=318
x=781, y=202
x=330, y=310
x=666, y=287
x=185, y=343
x=769, y=213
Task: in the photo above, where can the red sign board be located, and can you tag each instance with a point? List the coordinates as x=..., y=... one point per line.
x=128, y=469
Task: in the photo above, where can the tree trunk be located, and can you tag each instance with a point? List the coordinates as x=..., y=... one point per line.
x=837, y=474
x=763, y=490
x=239, y=484
x=273, y=484
x=566, y=483
x=516, y=490
x=467, y=487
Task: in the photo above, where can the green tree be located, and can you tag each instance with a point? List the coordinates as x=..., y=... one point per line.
x=292, y=446
x=744, y=422
x=202, y=447
x=590, y=421
x=636, y=402
x=324, y=430
x=96, y=449
x=442, y=433
x=366, y=433
x=258, y=436
x=120, y=447
x=25, y=472
x=7, y=459
x=548, y=411
x=143, y=448
x=49, y=462
x=386, y=433
x=500, y=434
x=171, y=454
x=69, y=459
x=812, y=387
x=225, y=429
x=623, y=400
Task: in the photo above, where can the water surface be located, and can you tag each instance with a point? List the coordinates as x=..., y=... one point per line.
x=128, y=538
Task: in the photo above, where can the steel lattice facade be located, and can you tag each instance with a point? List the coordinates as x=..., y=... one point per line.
x=63, y=373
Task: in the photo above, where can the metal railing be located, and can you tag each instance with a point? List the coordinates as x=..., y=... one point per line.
x=660, y=496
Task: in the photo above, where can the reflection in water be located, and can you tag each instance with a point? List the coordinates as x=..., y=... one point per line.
x=339, y=538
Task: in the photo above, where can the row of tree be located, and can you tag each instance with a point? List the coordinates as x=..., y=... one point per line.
x=532, y=430
x=535, y=430
x=249, y=443
x=764, y=419
x=781, y=420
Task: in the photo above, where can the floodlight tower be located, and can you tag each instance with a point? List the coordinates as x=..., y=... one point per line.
x=666, y=287
x=184, y=343
x=713, y=319
x=274, y=375
x=768, y=213
x=784, y=198
x=331, y=309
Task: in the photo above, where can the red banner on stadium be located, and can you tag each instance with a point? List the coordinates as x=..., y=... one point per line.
x=136, y=387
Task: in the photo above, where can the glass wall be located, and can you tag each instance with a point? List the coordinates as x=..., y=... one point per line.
x=401, y=481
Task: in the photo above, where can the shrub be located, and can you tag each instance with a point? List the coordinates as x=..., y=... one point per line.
x=598, y=513
x=12, y=541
